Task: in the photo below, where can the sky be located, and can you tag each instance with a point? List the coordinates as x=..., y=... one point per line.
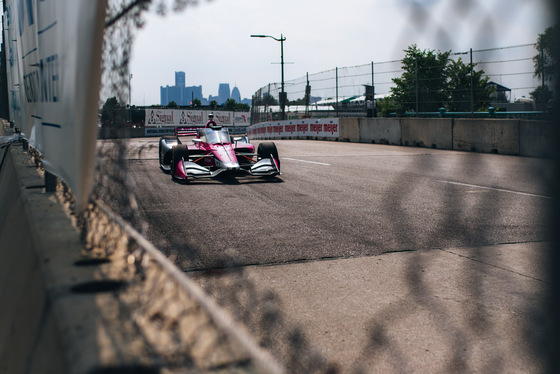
x=211, y=41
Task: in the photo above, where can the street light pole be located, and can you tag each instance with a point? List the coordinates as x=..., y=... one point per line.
x=282, y=95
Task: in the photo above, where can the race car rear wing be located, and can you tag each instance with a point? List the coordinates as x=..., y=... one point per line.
x=186, y=131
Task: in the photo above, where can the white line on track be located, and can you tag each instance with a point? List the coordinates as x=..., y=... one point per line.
x=309, y=162
x=496, y=189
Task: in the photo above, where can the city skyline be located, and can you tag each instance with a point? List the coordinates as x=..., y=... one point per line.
x=219, y=47
x=183, y=95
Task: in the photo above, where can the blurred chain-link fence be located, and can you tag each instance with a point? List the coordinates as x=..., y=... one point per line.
x=180, y=331
x=337, y=92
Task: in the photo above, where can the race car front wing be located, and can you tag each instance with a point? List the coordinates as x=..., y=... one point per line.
x=263, y=167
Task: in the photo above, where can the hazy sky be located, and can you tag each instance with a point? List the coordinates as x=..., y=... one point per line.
x=211, y=42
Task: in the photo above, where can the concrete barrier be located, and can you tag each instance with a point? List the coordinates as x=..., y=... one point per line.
x=486, y=135
x=349, y=129
x=67, y=311
x=120, y=133
x=32, y=335
x=427, y=132
x=535, y=139
x=504, y=136
x=380, y=130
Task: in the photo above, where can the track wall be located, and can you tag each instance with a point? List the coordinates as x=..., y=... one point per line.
x=502, y=136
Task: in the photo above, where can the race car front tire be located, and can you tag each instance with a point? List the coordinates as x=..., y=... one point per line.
x=265, y=150
x=165, y=157
x=180, y=151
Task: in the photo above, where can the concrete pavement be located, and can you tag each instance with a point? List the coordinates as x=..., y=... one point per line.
x=436, y=311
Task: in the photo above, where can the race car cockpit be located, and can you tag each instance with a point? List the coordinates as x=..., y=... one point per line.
x=214, y=136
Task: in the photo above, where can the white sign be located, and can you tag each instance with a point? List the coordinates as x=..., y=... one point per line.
x=182, y=117
x=159, y=131
x=319, y=128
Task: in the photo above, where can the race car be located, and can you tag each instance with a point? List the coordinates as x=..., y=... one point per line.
x=213, y=152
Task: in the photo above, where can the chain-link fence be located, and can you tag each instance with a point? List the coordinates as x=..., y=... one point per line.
x=179, y=332
x=507, y=72
x=337, y=92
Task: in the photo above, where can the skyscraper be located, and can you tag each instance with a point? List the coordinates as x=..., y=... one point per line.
x=184, y=95
x=175, y=93
x=236, y=95
x=223, y=93
x=180, y=79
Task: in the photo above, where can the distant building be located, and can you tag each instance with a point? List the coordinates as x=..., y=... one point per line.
x=173, y=93
x=184, y=95
x=500, y=94
x=235, y=95
x=164, y=95
x=193, y=92
x=180, y=79
x=180, y=94
x=223, y=93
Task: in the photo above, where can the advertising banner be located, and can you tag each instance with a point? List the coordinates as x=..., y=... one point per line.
x=56, y=87
x=182, y=117
x=317, y=128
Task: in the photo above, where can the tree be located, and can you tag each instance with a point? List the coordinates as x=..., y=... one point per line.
x=196, y=103
x=386, y=106
x=542, y=94
x=241, y=107
x=111, y=104
x=269, y=100
x=230, y=104
x=546, y=62
x=172, y=104
x=460, y=89
x=109, y=112
x=423, y=85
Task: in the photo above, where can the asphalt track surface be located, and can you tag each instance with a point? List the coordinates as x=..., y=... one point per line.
x=392, y=259
x=339, y=200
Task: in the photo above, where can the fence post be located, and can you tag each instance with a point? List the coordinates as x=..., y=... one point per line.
x=373, y=92
x=417, y=88
x=337, y=92
x=472, y=88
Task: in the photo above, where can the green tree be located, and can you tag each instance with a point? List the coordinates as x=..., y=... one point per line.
x=241, y=107
x=230, y=104
x=172, y=104
x=111, y=104
x=110, y=113
x=542, y=94
x=546, y=62
x=300, y=101
x=423, y=84
x=459, y=86
x=269, y=100
x=196, y=103
x=386, y=106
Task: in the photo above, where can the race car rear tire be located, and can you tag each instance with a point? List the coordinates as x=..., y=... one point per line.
x=180, y=151
x=266, y=149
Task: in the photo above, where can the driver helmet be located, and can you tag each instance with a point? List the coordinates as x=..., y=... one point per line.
x=211, y=115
